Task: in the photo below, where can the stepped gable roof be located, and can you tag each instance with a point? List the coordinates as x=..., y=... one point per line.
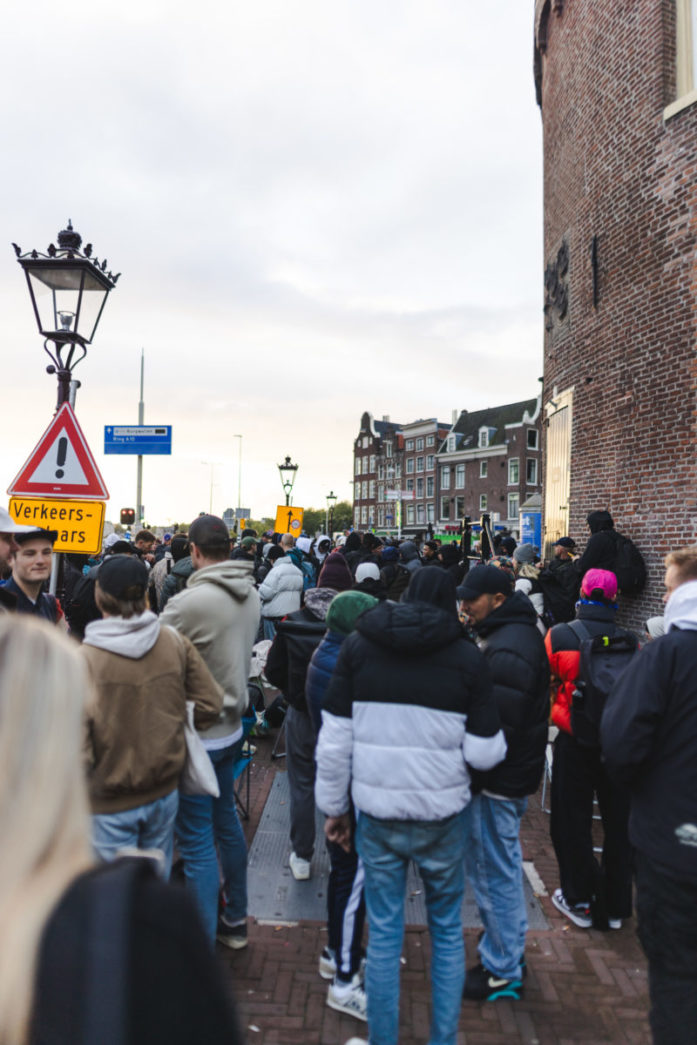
x=495, y=418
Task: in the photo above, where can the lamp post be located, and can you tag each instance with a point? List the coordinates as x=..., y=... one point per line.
x=239, y=474
x=212, y=465
x=331, y=501
x=287, y=471
x=68, y=290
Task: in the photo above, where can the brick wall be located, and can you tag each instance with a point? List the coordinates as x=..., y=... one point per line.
x=616, y=172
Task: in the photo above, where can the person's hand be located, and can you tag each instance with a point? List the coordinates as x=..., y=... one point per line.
x=338, y=829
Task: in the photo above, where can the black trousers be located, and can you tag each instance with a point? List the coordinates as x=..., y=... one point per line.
x=346, y=906
x=667, y=911
x=578, y=775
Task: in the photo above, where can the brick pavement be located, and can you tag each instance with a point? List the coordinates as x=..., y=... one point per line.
x=583, y=988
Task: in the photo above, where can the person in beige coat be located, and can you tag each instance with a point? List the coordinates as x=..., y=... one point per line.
x=142, y=675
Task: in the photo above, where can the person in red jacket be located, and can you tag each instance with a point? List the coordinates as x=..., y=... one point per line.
x=589, y=893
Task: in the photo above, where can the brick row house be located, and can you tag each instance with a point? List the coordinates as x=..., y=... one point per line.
x=427, y=475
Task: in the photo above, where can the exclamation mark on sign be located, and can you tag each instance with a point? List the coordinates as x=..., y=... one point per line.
x=62, y=453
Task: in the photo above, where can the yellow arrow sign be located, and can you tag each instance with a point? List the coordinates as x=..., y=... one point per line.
x=79, y=524
x=289, y=520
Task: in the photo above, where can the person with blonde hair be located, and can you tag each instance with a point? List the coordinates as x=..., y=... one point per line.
x=149, y=975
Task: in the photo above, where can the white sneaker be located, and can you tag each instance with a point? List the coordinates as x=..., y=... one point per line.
x=349, y=998
x=300, y=868
x=614, y=923
x=327, y=964
x=358, y=1041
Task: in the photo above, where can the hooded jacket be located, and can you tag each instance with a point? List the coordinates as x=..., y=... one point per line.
x=175, y=581
x=649, y=740
x=408, y=706
x=282, y=589
x=601, y=551
x=410, y=556
x=143, y=675
x=297, y=637
x=219, y=611
x=514, y=649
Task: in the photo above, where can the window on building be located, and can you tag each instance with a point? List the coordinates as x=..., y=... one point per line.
x=429, y=485
x=459, y=507
x=419, y=487
x=381, y=517
x=420, y=513
x=531, y=471
x=483, y=469
x=372, y=463
x=460, y=476
x=356, y=517
x=429, y=462
x=419, y=464
x=398, y=470
x=513, y=506
x=410, y=484
x=388, y=449
x=410, y=465
x=366, y=442
x=482, y=502
x=420, y=444
x=532, y=439
x=445, y=507
x=381, y=470
x=381, y=492
x=372, y=490
x=430, y=440
x=445, y=478
x=452, y=440
x=364, y=490
x=410, y=515
x=364, y=514
x=513, y=471
x=483, y=437
x=430, y=513
x=357, y=466
x=409, y=445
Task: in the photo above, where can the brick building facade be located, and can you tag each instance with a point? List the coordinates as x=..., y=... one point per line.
x=616, y=87
x=427, y=475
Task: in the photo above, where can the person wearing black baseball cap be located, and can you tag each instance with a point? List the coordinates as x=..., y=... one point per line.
x=143, y=675
x=505, y=623
x=31, y=568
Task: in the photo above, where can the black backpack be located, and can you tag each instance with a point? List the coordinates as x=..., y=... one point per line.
x=629, y=566
x=560, y=603
x=603, y=659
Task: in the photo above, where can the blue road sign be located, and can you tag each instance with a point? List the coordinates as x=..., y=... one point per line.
x=138, y=439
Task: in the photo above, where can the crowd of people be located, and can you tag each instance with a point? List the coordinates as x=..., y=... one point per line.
x=419, y=687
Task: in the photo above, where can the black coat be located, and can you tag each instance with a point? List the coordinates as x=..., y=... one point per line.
x=649, y=740
x=297, y=637
x=511, y=642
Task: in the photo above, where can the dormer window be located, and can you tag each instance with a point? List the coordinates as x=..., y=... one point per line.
x=451, y=444
x=483, y=437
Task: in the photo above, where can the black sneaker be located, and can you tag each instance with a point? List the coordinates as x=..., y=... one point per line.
x=482, y=985
x=234, y=936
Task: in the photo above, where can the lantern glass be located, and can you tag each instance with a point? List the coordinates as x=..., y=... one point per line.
x=68, y=299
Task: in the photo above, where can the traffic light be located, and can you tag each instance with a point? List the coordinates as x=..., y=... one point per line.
x=128, y=516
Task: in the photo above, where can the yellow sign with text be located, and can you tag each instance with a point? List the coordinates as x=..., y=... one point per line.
x=289, y=520
x=79, y=524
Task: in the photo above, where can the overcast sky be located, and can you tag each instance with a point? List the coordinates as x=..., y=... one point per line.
x=318, y=207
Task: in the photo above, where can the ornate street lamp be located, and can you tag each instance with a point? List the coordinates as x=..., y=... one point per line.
x=287, y=471
x=68, y=290
x=331, y=501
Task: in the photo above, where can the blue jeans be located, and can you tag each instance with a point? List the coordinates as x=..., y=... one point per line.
x=150, y=826
x=437, y=849
x=495, y=868
x=203, y=822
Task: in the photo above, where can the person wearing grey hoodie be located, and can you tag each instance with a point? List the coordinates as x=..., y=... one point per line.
x=142, y=677
x=219, y=611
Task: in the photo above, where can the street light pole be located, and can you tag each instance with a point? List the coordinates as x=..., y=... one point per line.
x=331, y=501
x=239, y=472
x=141, y=419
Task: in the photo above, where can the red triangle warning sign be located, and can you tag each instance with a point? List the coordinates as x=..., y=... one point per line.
x=61, y=465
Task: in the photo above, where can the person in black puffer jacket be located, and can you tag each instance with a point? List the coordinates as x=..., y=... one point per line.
x=505, y=623
x=297, y=637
